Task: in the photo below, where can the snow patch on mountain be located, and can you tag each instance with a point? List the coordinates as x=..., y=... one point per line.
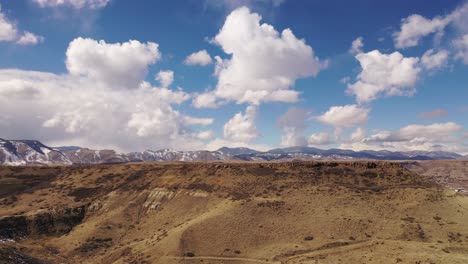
x=32, y=152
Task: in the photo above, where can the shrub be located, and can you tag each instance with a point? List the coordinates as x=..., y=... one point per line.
x=189, y=254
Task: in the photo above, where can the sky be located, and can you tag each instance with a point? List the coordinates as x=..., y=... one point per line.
x=202, y=74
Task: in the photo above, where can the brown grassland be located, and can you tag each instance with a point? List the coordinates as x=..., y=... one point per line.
x=291, y=212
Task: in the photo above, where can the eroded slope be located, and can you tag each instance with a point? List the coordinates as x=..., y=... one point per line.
x=305, y=212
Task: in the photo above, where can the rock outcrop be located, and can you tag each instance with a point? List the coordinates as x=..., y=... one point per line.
x=51, y=222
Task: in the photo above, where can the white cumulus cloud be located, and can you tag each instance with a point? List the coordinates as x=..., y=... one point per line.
x=205, y=100
x=241, y=128
x=29, y=38
x=433, y=60
x=165, y=78
x=89, y=107
x=117, y=64
x=199, y=58
x=436, y=130
x=462, y=48
x=293, y=123
x=205, y=135
x=344, y=116
x=358, y=135
x=9, y=32
x=320, y=139
x=356, y=45
x=415, y=27
x=433, y=137
x=264, y=64
x=239, y=131
x=384, y=75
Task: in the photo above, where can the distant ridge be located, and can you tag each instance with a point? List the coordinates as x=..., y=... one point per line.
x=67, y=148
x=237, y=151
x=33, y=152
x=30, y=152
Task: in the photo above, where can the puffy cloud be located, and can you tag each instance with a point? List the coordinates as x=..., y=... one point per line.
x=320, y=139
x=75, y=109
x=8, y=31
x=415, y=27
x=434, y=114
x=199, y=58
x=29, y=38
x=410, y=132
x=198, y=121
x=205, y=135
x=242, y=128
x=121, y=65
x=344, y=116
x=384, y=75
x=78, y=4
x=294, y=117
x=293, y=123
x=205, y=100
x=356, y=46
x=358, y=135
x=436, y=130
x=264, y=63
x=434, y=60
x=292, y=137
x=438, y=136
x=159, y=123
x=239, y=131
x=462, y=48
x=165, y=78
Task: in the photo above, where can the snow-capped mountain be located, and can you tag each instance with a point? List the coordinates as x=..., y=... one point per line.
x=30, y=152
x=33, y=152
x=174, y=155
x=237, y=151
x=90, y=156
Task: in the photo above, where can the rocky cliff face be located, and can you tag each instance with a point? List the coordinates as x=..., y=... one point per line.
x=12, y=254
x=46, y=222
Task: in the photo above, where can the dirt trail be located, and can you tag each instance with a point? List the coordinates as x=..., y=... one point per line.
x=328, y=251
x=229, y=259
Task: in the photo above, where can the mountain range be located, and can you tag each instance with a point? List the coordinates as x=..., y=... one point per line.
x=33, y=152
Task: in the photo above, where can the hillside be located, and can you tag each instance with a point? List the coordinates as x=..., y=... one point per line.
x=296, y=212
x=453, y=174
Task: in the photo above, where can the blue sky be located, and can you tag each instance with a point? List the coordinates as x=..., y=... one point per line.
x=412, y=96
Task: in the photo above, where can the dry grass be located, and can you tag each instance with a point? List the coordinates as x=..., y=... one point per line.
x=301, y=212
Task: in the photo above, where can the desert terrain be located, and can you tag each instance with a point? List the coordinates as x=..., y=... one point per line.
x=235, y=212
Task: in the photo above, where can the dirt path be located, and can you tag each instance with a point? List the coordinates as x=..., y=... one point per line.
x=326, y=251
x=251, y=260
